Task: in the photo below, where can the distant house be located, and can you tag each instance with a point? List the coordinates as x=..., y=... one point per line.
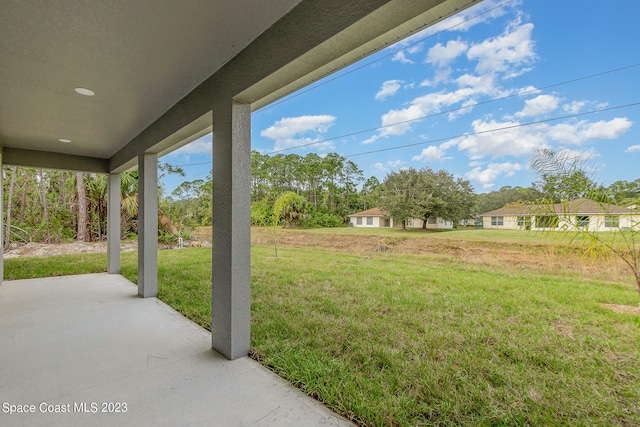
x=578, y=213
x=377, y=218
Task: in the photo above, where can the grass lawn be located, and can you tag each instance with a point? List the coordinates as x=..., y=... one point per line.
x=404, y=339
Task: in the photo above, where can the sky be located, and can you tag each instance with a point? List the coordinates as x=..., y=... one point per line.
x=477, y=95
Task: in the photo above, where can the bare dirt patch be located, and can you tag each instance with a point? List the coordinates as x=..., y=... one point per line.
x=623, y=308
x=33, y=249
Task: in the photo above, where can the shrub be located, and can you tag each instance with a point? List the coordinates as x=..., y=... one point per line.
x=322, y=219
x=261, y=214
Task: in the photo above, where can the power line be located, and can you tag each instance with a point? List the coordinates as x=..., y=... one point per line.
x=194, y=164
x=521, y=93
x=327, y=81
x=635, y=104
x=519, y=125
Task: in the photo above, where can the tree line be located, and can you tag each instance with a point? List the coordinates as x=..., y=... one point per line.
x=316, y=191
x=52, y=206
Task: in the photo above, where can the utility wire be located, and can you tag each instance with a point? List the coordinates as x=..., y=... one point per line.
x=452, y=110
x=397, y=147
x=521, y=93
x=519, y=125
x=327, y=81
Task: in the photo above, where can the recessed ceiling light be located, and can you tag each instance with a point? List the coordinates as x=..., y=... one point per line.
x=84, y=91
x=66, y=141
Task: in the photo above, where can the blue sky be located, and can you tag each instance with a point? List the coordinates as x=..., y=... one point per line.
x=523, y=66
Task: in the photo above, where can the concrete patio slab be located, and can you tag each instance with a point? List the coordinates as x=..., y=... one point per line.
x=87, y=344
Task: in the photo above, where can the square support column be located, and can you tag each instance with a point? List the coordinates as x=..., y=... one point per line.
x=113, y=224
x=148, y=225
x=231, y=280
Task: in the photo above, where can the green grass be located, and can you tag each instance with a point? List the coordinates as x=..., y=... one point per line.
x=62, y=265
x=400, y=339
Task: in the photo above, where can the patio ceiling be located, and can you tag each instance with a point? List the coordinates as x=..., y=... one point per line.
x=157, y=66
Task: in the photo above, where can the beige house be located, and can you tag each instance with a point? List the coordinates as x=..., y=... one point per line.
x=579, y=213
x=377, y=218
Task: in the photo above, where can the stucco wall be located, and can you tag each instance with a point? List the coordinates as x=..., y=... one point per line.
x=596, y=223
x=378, y=222
x=508, y=223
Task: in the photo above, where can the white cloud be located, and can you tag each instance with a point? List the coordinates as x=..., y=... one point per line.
x=199, y=146
x=633, y=149
x=466, y=108
x=398, y=122
x=389, y=88
x=442, y=75
x=577, y=155
x=401, y=57
x=513, y=141
x=510, y=138
x=388, y=166
x=487, y=176
x=379, y=166
x=431, y=154
x=539, y=105
x=574, y=107
x=583, y=131
x=505, y=53
x=289, y=132
x=442, y=55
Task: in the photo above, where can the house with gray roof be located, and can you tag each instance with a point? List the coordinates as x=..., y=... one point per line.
x=578, y=213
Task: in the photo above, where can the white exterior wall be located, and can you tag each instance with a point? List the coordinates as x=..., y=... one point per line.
x=509, y=222
x=596, y=223
x=630, y=222
x=438, y=224
x=378, y=222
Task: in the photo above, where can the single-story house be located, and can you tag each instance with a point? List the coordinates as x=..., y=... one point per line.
x=377, y=218
x=578, y=213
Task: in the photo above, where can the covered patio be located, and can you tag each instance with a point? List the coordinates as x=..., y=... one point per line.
x=87, y=344
x=109, y=87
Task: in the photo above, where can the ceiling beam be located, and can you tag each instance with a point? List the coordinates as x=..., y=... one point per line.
x=48, y=160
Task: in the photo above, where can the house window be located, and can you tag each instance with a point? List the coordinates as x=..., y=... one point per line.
x=359, y=220
x=582, y=220
x=547, y=221
x=369, y=220
x=432, y=221
x=524, y=221
x=497, y=220
x=612, y=221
